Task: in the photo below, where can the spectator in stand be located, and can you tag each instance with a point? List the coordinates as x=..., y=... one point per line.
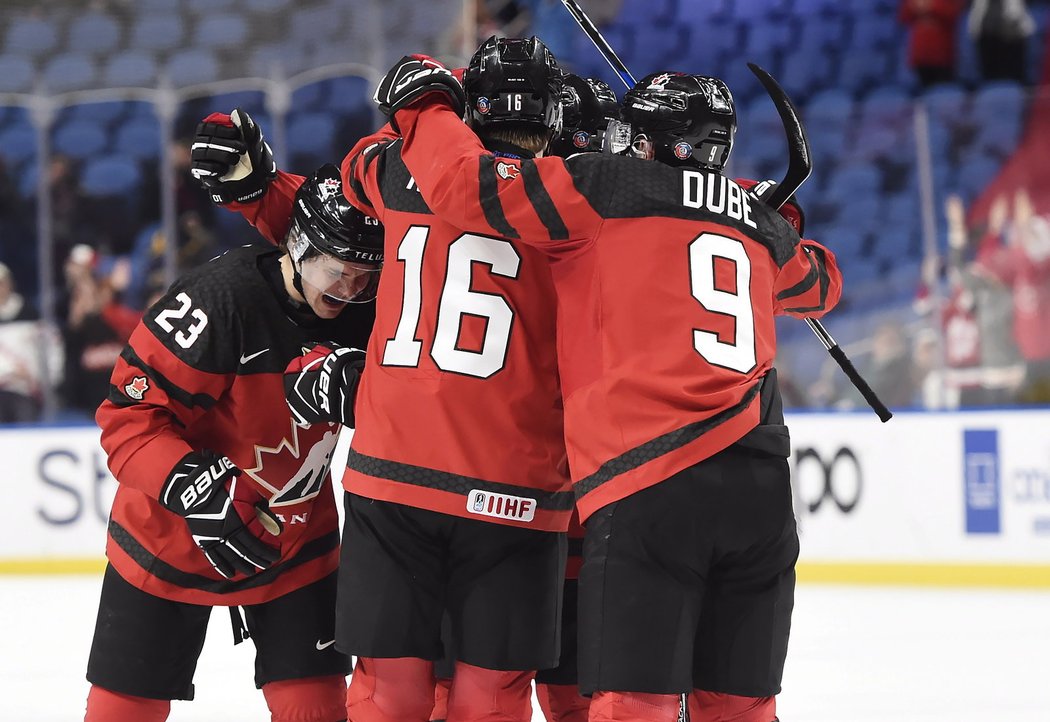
x=890, y=371
x=931, y=38
x=96, y=330
x=20, y=392
x=1000, y=29
x=1023, y=265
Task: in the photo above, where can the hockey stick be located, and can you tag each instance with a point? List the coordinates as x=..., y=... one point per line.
x=799, y=168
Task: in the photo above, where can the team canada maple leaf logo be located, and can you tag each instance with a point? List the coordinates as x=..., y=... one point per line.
x=137, y=388
x=294, y=470
x=329, y=187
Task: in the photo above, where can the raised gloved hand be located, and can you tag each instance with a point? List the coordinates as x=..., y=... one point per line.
x=230, y=158
x=226, y=517
x=413, y=76
x=321, y=385
x=791, y=210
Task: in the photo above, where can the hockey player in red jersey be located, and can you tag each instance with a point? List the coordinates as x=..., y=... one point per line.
x=669, y=276
x=458, y=485
x=224, y=496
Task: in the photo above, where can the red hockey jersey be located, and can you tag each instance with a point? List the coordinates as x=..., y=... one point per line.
x=204, y=370
x=459, y=409
x=668, y=281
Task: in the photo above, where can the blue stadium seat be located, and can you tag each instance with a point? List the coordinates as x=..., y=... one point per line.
x=206, y=6
x=887, y=105
x=140, y=140
x=998, y=98
x=17, y=142
x=265, y=6
x=659, y=48
x=311, y=133
x=191, y=66
x=110, y=176
x=220, y=31
x=649, y=12
x=281, y=58
x=853, y=180
x=69, y=71
x=94, y=32
x=750, y=11
x=79, y=139
x=829, y=108
x=130, y=69
x=808, y=8
x=98, y=113
x=860, y=71
x=870, y=31
x=16, y=74
x=252, y=102
x=764, y=40
x=27, y=179
x=820, y=32
x=999, y=138
x=32, y=37
x=347, y=95
x=162, y=31
x=803, y=71
x=946, y=103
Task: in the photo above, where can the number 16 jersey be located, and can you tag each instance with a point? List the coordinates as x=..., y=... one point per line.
x=459, y=408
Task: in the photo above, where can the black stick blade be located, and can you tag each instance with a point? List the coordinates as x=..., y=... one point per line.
x=800, y=163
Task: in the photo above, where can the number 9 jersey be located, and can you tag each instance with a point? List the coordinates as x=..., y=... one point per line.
x=459, y=408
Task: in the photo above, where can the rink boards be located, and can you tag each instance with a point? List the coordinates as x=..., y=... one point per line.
x=944, y=499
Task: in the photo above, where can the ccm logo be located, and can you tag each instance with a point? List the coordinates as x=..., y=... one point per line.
x=503, y=506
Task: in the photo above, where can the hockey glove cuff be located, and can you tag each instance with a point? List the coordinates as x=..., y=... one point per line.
x=230, y=158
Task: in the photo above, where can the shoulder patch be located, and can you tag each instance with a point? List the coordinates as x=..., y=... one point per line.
x=137, y=388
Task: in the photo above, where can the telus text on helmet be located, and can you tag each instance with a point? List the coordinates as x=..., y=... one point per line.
x=717, y=194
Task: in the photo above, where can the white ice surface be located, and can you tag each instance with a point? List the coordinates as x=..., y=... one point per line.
x=857, y=655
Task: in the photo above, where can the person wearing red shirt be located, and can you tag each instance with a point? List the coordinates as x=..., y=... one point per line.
x=668, y=277
x=931, y=38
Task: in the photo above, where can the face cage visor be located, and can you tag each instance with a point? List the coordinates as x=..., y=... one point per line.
x=343, y=281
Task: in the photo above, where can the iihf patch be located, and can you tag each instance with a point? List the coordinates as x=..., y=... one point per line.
x=682, y=150
x=483, y=105
x=137, y=388
x=581, y=138
x=506, y=171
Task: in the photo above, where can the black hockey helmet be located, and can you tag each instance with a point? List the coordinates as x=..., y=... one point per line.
x=513, y=81
x=324, y=219
x=335, y=249
x=587, y=105
x=681, y=119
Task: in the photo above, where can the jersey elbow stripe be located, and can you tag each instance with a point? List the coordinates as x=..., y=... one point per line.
x=173, y=390
x=542, y=202
x=488, y=195
x=452, y=483
x=661, y=445
x=355, y=185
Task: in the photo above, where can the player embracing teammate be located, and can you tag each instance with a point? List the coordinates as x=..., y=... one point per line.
x=668, y=276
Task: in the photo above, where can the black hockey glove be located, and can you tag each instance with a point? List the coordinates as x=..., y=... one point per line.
x=321, y=385
x=412, y=77
x=230, y=158
x=225, y=515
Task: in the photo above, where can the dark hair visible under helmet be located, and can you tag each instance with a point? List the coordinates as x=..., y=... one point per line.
x=682, y=119
x=323, y=221
x=513, y=81
x=588, y=105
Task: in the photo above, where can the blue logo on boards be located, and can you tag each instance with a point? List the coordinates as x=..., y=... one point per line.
x=982, y=489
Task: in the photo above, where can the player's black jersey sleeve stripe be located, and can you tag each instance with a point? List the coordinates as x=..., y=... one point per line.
x=802, y=286
x=661, y=445
x=156, y=566
x=542, y=203
x=489, y=198
x=173, y=390
x=453, y=483
x=116, y=397
x=819, y=270
x=356, y=186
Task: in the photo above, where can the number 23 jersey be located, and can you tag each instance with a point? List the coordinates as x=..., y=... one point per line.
x=204, y=370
